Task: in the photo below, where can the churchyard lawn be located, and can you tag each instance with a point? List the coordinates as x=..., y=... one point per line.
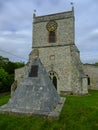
x=78, y=113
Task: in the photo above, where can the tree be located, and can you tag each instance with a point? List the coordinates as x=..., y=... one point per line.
x=4, y=80
x=3, y=62
x=96, y=63
x=7, y=73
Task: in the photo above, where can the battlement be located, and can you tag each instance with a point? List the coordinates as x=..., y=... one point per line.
x=57, y=16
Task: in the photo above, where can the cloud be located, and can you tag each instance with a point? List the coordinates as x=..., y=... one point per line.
x=16, y=43
x=54, y=2
x=38, y=3
x=89, y=57
x=16, y=29
x=87, y=29
x=94, y=33
x=16, y=24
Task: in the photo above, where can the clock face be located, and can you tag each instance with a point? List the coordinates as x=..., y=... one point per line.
x=51, y=26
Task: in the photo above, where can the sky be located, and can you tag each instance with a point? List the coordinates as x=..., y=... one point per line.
x=16, y=17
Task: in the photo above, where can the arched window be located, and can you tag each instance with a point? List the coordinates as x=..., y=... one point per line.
x=52, y=37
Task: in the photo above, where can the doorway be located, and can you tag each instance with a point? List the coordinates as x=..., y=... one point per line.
x=55, y=81
x=88, y=79
x=53, y=77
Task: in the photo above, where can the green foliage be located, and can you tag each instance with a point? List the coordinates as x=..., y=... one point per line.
x=19, y=64
x=4, y=98
x=3, y=79
x=3, y=61
x=3, y=74
x=11, y=66
x=7, y=73
x=79, y=113
x=96, y=63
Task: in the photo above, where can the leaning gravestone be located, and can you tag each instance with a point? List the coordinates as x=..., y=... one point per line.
x=36, y=94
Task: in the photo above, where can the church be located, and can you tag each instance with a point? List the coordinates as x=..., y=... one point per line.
x=53, y=41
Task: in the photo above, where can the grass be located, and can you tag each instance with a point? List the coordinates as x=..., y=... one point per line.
x=79, y=113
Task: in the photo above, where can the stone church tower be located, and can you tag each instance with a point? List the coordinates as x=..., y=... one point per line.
x=53, y=41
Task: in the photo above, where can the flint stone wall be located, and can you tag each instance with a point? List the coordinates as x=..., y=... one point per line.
x=64, y=32
x=92, y=72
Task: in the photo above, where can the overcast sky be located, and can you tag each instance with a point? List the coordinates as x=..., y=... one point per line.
x=16, y=26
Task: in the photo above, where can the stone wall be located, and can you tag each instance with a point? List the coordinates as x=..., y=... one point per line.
x=65, y=27
x=58, y=59
x=92, y=72
x=65, y=62
x=79, y=79
x=19, y=74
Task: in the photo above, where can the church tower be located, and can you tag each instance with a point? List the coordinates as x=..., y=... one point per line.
x=53, y=40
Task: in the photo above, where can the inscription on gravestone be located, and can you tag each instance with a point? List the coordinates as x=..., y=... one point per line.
x=34, y=71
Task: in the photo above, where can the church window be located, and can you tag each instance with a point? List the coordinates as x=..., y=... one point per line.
x=51, y=28
x=52, y=37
